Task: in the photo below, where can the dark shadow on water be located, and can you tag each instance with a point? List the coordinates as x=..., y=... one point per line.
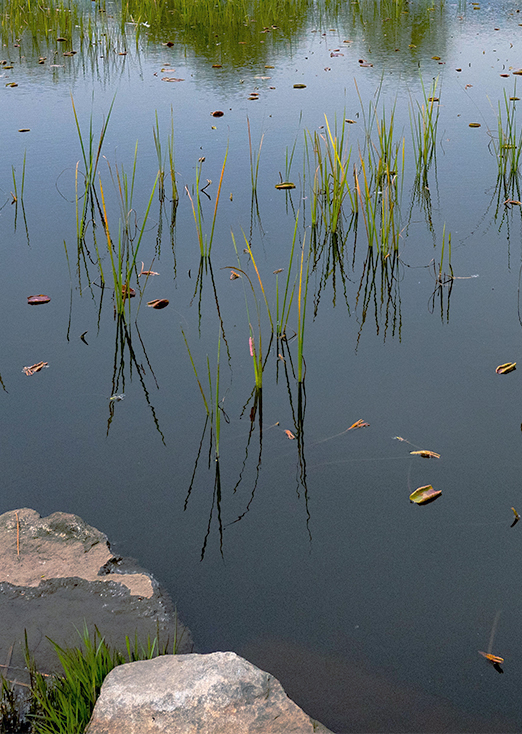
x=125, y=364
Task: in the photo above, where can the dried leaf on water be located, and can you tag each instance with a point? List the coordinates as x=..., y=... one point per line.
x=517, y=518
x=425, y=495
x=358, y=424
x=146, y=272
x=495, y=660
x=24, y=130
x=503, y=369
x=127, y=291
x=234, y=275
x=289, y=434
x=426, y=454
x=171, y=79
x=34, y=368
x=218, y=113
x=299, y=86
x=158, y=303
x=285, y=185
x=351, y=122
x=474, y=124
x=36, y=300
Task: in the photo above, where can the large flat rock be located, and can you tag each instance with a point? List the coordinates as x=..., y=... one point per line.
x=57, y=574
x=218, y=693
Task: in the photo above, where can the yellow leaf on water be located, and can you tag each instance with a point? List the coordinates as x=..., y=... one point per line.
x=503, y=369
x=358, y=424
x=426, y=454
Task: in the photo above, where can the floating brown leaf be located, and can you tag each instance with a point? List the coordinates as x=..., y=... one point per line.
x=147, y=272
x=474, y=124
x=127, y=291
x=517, y=518
x=35, y=368
x=299, y=86
x=234, y=275
x=426, y=454
x=351, y=122
x=36, y=300
x=24, y=130
x=285, y=185
x=218, y=113
x=158, y=303
x=503, y=369
x=289, y=434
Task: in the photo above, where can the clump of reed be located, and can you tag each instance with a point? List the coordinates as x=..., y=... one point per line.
x=204, y=241
x=508, y=145
x=424, y=120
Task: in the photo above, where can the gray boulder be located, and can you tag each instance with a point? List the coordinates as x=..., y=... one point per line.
x=219, y=693
x=58, y=574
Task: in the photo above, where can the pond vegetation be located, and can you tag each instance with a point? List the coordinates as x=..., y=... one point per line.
x=284, y=248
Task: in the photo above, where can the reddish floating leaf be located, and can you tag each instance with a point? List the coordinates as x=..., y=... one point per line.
x=36, y=300
x=289, y=434
x=34, y=368
x=158, y=303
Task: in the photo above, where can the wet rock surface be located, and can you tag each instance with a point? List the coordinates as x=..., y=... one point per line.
x=218, y=693
x=57, y=574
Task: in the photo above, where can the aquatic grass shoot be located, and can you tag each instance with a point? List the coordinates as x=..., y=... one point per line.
x=424, y=120
x=509, y=141
x=302, y=294
x=205, y=244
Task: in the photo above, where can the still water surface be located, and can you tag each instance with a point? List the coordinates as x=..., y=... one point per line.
x=369, y=609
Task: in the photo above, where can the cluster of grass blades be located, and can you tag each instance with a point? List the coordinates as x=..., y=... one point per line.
x=91, y=207
x=63, y=703
x=205, y=243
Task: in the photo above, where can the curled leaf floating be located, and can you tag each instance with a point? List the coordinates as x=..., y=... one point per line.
x=289, y=434
x=503, y=369
x=358, y=424
x=36, y=300
x=495, y=660
x=171, y=79
x=146, y=272
x=234, y=275
x=24, y=130
x=517, y=518
x=299, y=86
x=34, y=368
x=285, y=185
x=158, y=303
x=116, y=398
x=82, y=337
x=425, y=495
x=127, y=291
x=474, y=124
x=218, y=113
x=426, y=454
x=279, y=270
x=351, y=122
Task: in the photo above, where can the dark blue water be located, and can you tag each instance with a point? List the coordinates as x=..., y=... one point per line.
x=370, y=610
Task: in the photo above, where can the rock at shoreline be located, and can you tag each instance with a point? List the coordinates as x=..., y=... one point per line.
x=219, y=693
x=57, y=574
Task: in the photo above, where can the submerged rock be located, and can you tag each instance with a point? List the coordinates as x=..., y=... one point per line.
x=58, y=574
x=218, y=693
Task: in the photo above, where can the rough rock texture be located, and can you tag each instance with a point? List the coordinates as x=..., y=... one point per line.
x=219, y=693
x=57, y=574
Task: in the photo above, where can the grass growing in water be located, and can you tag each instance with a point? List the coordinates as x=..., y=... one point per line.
x=63, y=704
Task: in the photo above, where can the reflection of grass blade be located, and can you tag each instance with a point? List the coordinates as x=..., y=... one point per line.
x=302, y=294
x=196, y=373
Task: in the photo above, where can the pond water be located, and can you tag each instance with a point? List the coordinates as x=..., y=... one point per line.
x=303, y=554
